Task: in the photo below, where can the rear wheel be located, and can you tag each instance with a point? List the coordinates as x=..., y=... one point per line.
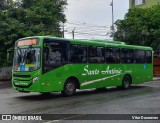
x=69, y=88
x=126, y=82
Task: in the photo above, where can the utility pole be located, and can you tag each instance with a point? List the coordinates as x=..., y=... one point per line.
x=112, y=19
x=63, y=31
x=73, y=32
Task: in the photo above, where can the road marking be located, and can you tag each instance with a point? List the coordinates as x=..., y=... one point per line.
x=59, y=120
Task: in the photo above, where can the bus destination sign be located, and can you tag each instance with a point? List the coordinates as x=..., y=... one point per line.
x=27, y=42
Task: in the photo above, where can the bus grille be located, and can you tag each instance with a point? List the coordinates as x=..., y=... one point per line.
x=22, y=76
x=19, y=86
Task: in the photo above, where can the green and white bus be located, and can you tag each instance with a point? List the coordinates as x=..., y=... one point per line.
x=48, y=64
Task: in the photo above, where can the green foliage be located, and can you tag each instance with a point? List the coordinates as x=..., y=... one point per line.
x=140, y=27
x=24, y=18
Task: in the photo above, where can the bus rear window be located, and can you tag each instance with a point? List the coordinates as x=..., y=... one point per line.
x=149, y=57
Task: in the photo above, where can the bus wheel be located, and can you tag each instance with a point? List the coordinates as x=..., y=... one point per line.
x=69, y=88
x=126, y=83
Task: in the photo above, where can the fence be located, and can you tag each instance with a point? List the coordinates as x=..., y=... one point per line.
x=5, y=73
x=156, y=69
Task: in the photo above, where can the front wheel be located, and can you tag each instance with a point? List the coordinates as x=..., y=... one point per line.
x=126, y=82
x=69, y=88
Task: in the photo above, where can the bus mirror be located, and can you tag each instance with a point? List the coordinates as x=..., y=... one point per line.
x=10, y=53
x=8, y=56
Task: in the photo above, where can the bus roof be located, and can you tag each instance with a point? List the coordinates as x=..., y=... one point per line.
x=96, y=42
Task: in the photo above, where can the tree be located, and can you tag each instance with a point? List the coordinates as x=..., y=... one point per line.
x=24, y=18
x=140, y=27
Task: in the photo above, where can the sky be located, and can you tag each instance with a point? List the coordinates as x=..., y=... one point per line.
x=91, y=19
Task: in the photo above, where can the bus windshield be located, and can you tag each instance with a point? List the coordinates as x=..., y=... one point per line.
x=26, y=59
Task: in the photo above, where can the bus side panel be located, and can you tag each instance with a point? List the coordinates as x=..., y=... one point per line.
x=143, y=73
x=108, y=75
x=149, y=72
x=54, y=80
x=130, y=70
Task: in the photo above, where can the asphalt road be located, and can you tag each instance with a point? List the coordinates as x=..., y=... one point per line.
x=140, y=99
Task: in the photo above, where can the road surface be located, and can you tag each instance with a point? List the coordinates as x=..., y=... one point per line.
x=140, y=99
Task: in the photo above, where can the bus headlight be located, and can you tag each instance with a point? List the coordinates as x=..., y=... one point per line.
x=35, y=79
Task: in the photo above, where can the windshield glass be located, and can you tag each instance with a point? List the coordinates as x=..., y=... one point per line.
x=26, y=59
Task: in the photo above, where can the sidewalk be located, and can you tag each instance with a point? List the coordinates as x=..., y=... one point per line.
x=5, y=84
x=156, y=78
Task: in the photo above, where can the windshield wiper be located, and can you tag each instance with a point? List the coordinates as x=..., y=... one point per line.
x=20, y=54
x=25, y=53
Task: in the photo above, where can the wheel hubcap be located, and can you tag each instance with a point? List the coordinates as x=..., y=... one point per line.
x=126, y=82
x=70, y=87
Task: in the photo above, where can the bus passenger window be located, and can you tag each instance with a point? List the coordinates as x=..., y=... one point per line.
x=55, y=55
x=127, y=56
x=78, y=54
x=148, y=57
x=112, y=55
x=139, y=56
x=100, y=54
x=92, y=54
x=96, y=54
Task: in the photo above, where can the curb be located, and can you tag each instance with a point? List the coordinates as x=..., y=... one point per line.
x=156, y=78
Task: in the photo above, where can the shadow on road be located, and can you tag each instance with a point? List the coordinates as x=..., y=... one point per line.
x=134, y=90
x=37, y=97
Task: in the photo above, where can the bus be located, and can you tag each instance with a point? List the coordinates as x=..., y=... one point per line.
x=47, y=64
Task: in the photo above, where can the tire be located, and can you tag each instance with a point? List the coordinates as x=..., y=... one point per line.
x=69, y=88
x=126, y=82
